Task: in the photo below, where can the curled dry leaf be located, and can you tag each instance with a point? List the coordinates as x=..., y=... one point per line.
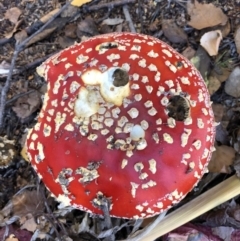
x=222, y=159
x=173, y=32
x=205, y=15
x=210, y=41
x=13, y=14
x=237, y=39
x=232, y=86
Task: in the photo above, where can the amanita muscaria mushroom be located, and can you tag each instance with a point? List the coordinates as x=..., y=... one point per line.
x=125, y=117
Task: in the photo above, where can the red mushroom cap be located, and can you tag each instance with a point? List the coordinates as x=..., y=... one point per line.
x=127, y=117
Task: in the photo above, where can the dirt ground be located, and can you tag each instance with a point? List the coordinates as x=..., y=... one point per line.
x=27, y=210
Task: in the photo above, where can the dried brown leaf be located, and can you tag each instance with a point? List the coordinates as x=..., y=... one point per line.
x=26, y=105
x=221, y=159
x=205, y=15
x=20, y=36
x=15, y=29
x=45, y=33
x=237, y=39
x=173, y=32
x=13, y=14
x=23, y=204
x=29, y=223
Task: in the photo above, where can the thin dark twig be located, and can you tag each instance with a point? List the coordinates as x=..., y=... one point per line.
x=5, y=40
x=18, y=96
x=18, y=48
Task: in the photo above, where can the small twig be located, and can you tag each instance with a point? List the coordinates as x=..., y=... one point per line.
x=4, y=41
x=129, y=19
x=18, y=49
x=110, y=4
x=18, y=96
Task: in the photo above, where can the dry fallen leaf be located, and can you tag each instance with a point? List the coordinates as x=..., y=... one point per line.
x=16, y=27
x=172, y=32
x=13, y=14
x=27, y=104
x=205, y=15
x=79, y=3
x=20, y=36
x=221, y=159
x=28, y=202
x=29, y=223
x=210, y=41
x=237, y=39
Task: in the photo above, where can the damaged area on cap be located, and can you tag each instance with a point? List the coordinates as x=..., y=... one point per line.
x=116, y=108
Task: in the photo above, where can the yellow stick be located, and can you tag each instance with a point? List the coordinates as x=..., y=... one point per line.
x=205, y=202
